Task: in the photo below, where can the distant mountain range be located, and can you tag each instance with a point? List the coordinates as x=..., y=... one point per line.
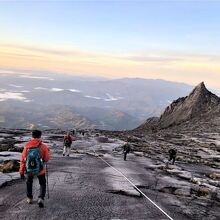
x=52, y=100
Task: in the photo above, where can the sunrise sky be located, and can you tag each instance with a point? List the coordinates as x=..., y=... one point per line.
x=171, y=40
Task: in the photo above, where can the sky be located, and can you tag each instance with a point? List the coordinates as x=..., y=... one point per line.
x=171, y=40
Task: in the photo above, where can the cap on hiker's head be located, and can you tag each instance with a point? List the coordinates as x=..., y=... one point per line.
x=36, y=133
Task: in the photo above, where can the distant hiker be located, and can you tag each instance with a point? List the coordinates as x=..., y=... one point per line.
x=67, y=142
x=32, y=163
x=82, y=132
x=126, y=149
x=73, y=131
x=172, y=154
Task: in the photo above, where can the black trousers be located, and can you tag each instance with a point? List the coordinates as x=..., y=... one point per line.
x=125, y=155
x=172, y=157
x=42, y=182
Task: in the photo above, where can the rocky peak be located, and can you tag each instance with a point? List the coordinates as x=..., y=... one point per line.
x=199, y=102
x=199, y=105
x=200, y=93
x=200, y=89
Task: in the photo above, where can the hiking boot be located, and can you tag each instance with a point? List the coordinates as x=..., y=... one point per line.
x=40, y=203
x=29, y=200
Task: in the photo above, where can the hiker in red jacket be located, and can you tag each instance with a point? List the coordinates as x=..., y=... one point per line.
x=32, y=160
x=67, y=142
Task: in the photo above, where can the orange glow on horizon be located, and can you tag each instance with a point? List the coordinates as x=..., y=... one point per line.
x=189, y=69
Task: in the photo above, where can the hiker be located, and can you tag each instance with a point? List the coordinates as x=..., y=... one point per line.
x=67, y=142
x=126, y=149
x=73, y=131
x=172, y=154
x=32, y=163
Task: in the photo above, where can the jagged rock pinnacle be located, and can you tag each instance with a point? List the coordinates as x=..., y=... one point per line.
x=202, y=84
x=199, y=102
x=200, y=89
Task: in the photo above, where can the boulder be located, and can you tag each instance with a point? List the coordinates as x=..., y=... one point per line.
x=182, y=192
x=102, y=139
x=168, y=189
x=10, y=166
x=4, y=147
x=212, y=175
x=201, y=191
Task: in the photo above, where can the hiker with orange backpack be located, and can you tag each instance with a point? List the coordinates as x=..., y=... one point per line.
x=32, y=163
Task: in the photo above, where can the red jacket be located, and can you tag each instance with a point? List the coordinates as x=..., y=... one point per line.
x=44, y=153
x=71, y=138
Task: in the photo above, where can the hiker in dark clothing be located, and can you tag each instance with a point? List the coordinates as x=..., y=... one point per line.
x=126, y=149
x=172, y=154
x=73, y=131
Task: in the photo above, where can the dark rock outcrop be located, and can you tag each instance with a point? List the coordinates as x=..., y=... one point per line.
x=149, y=125
x=200, y=104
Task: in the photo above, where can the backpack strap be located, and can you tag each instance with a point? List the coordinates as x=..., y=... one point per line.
x=39, y=145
